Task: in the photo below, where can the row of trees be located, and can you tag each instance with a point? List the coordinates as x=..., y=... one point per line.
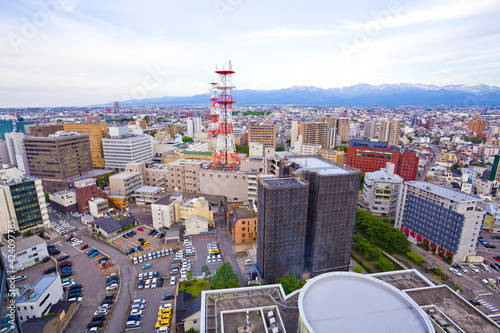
x=372, y=253
x=380, y=233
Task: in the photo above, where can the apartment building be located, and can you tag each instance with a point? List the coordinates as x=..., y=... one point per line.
x=98, y=207
x=262, y=133
x=36, y=300
x=163, y=212
x=313, y=133
x=381, y=191
x=85, y=190
x=448, y=221
x=26, y=253
x=64, y=201
x=45, y=130
x=390, y=131
x=183, y=175
x=22, y=200
x=231, y=184
x=151, y=174
x=242, y=222
x=96, y=133
x=125, y=183
x=58, y=157
x=186, y=209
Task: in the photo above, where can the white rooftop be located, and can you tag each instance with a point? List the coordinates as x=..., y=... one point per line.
x=149, y=189
x=125, y=175
x=351, y=302
x=443, y=191
x=38, y=287
x=319, y=166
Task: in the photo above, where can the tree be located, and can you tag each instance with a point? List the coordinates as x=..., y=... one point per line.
x=191, y=330
x=455, y=166
x=385, y=265
x=361, y=180
x=146, y=118
x=280, y=148
x=205, y=271
x=358, y=269
x=373, y=253
x=415, y=257
x=100, y=181
x=437, y=271
x=186, y=139
x=290, y=283
x=189, y=275
x=240, y=149
x=224, y=277
x=47, y=197
x=410, y=138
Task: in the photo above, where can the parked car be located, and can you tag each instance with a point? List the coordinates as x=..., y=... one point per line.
x=172, y=280
x=160, y=282
x=140, y=285
x=136, y=317
x=136, y=312
x=101, y=311
x=146, y=266
x=62, y=258
x=49, y=270
x=112, y=286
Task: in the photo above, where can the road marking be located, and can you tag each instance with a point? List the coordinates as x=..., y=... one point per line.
x=485, y=294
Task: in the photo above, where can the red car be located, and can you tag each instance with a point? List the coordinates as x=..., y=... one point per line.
x=84, y=246
x=497, y=258
x=140, y=229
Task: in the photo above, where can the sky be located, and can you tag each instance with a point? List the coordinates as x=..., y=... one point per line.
x=79, y=53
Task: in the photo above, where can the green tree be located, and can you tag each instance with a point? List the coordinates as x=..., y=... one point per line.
x=224, y=277
x=189, y=275
x=437, y=271
x=455, y=166
x=344, y=148
x=358, y=269
x=373, y=253
x=186, y=139
x=384, y=265
x=153, y=134
x=240, y=149
x=288, y=141
x=100, y=181
x=361, y=180
x=47, y=197
x=280, y=148
x=191, y=330
x=205, y=271
x=290, y=283
x=146, y=118
x=28, y=233
x=409, y=138
x=415, y=257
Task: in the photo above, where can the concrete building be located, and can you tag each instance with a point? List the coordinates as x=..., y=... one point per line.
x=22, y=201
x=6, y=126
x=125, y=183
x=4, y=153
x=61, y=313
x=22, y=126
x=256, y=149
x=242, y=223
x=294, y=136
x=98, y=207
x=193, y=126
x=390, y=131
x=313, y=133
x=262, y=133
x=186, y=209
x=309, y=149
x=282, y=226
x=119, y=202
x=15, y=147
x=169, y=157
x=231, y=184
x=96, y=133
x=448, y=221
x=10, y=318
x=477, y=125
x=27, y=252
x=196, y=225
x=335, y=156
x=151, y=174
x=65, y=155
x=183, y=175
x=64, y=201
x=381, y=192
x=36, y=300
x=120, y=149
x=370, y=130
x=163, y=212
x=85, y=190
x=343, y=126
x=146, y=195
x=44, y=130
x=108, y=227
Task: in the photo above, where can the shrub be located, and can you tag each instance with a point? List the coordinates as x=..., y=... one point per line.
x=437, y=271
x=358, y=269
x=415, y=257
x=385, y=265
x=457, y=288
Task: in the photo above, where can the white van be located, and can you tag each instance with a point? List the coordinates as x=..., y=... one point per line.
x=133, y=323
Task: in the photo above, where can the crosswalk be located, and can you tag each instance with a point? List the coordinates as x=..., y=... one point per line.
x=490, y=307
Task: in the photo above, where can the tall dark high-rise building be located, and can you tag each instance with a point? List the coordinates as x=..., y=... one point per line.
x=330, y=206
x=116, y=107
x=281, y=227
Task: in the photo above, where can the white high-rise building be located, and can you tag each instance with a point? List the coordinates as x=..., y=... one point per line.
x=193, y=126
x=370, y=129
x=14, y=145
x=118, y=151
x=294, y=136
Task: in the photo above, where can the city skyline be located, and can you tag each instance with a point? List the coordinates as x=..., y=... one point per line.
x=73, y=53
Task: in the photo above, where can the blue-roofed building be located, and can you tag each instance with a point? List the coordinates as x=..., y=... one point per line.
x=6, y=126
x=367, y=143
x=447, y=220
x=37, y=299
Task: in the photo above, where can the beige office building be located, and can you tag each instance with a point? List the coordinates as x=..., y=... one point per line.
x=262, y=133
x=125, y=183
x=183, y=175
x=151, y=175
x=390, y=131
x=231, y=184
x=314, y=133
x=96, y=132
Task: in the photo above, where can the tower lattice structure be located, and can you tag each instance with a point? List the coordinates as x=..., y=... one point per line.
x=225, y=153
x=214, y=110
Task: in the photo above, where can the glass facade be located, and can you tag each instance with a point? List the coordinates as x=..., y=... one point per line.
x=26, y=205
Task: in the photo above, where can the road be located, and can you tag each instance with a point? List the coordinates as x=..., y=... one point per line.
x=435, y=152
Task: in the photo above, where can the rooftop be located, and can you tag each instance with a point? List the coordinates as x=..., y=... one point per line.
x=207, y=153
x=27, y=243
x=125, y=175
x=443, y=191
x=91, y=174
x=244, y=212
x=318, y=165
x=384, y=308
x=149, y=189
x=282, y=182
x=165, y=200
x=37, y=289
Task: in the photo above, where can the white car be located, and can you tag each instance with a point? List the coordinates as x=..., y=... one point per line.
x=172, y=280
x=136, y=312
x=102, y=311
x=67, y=284
x=75, y=299
x=138, y=306
x=140, y=300
x=136, y=260
x=209, y=260
x=140, y=259
x=474, y=268
x=454, y=271
x=148, y=284
x=104, y=307
x=485, y=281
x=112, y=286
x=165, y=306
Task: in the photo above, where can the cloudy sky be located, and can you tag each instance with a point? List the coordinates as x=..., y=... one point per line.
x=75, y=52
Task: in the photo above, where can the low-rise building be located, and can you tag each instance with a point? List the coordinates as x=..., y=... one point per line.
x=28, y=251
x=61, y=313
x=186, y=209
x=146, y=195
x=87, y=189
x=64, y=201
x=196, y=225
x=98, y=207
x=335, y=156
x=231, y=184
x=109, y=227
x=37, y=299
x=125, y=183
x=119, y=202
x=492, y=219
x=183, y=175
x=151, y=174
x=163, y=212
x=242, y=222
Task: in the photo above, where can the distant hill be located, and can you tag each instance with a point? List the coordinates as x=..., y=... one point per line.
x=361, y=94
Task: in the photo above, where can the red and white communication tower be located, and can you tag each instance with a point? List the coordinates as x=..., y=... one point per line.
x=214, y=111
x=225, y=152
